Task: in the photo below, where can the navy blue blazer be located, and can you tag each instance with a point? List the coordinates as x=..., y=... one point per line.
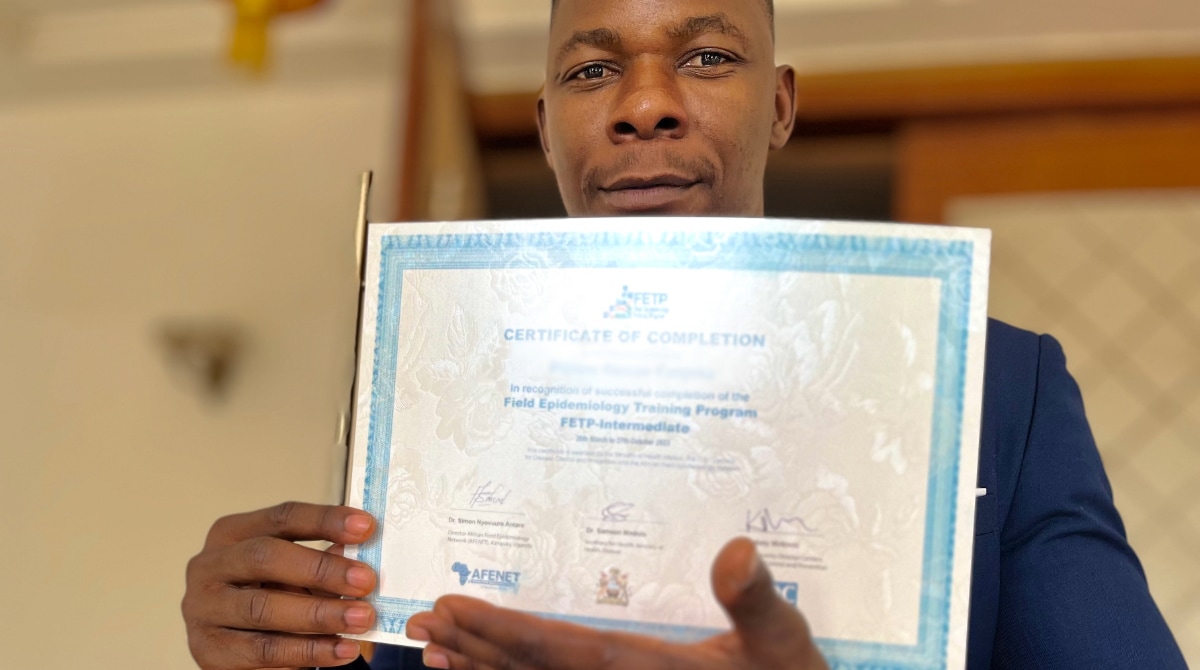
x=1054, y=583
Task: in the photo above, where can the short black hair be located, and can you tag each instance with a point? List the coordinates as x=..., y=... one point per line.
x=770, y=4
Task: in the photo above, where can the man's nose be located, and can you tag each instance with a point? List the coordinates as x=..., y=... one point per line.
x=650, y=106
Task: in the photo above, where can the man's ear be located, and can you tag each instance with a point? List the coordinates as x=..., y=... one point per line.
x=541, y=125
x=785, y=106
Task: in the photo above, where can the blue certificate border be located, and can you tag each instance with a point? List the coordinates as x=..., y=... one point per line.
x=947, y=260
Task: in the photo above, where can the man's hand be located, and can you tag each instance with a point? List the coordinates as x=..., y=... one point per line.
x=768, y=633
x=255, y=599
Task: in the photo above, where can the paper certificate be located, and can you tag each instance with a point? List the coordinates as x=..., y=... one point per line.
x=572, y=417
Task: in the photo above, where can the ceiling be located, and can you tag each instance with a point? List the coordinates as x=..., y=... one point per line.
x=505, y=40
x=55, y=48
x=61, y=45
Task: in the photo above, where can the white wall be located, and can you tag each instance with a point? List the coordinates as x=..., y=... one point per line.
x=228, y=199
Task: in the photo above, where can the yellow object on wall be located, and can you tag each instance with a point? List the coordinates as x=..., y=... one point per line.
x=249, y=46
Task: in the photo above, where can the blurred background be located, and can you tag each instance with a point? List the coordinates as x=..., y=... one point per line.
x=179, y=184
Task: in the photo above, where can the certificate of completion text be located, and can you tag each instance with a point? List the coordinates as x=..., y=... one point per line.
x=572, y=417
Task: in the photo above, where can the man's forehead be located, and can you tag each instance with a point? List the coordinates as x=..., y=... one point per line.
x=767, y=5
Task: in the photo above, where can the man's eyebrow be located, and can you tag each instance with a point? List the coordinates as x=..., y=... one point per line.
x=600, y=38
x=710, y=23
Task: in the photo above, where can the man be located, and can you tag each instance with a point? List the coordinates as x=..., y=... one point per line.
x=671, y=107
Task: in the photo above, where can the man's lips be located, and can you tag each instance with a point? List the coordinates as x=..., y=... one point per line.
x=646, y=193
x=627, y=183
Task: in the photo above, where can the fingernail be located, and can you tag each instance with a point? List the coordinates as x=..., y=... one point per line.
x=435, y=659
x=360, y=577
x=358, y=524
x=755, y=567
x=358, y=617
x=346, y=649
x=417, y=633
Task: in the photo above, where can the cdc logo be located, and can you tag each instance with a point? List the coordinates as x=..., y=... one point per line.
x=788, y=591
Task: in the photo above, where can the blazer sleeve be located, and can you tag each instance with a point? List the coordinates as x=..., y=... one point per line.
x=358, y=664
x=388, y=657
x=1072, y=592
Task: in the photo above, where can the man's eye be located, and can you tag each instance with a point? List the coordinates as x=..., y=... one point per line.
x=591, y=72
x=708, y=59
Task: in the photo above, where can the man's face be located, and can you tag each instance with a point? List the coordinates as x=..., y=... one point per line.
x=662, y=106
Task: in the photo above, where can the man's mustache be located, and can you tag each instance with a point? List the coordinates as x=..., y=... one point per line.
x=647, y=165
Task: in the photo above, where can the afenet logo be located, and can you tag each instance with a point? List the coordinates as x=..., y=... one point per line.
x=788, y=591
x=638, y=305
x=503, y=580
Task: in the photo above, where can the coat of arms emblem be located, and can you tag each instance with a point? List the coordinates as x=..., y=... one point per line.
x=613, y=588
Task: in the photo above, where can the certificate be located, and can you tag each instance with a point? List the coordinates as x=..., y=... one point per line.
x=571, y=417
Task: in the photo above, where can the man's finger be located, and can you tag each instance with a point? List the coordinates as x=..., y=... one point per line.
x=295, y=521
x=273, y=610
x=267, y=559
x=434, y=656
x=336, y=550
x=767, y=625
x=245, y=650
x=505, y=638
x=458, y=647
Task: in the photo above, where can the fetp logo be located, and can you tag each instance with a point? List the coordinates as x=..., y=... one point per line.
x=638, y=305
x=507, y=581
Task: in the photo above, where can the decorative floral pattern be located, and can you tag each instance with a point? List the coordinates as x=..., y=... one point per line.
x=469, y=385
x=523, y=283
x=403, y=501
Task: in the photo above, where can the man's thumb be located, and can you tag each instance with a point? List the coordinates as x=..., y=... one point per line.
x=771, y=629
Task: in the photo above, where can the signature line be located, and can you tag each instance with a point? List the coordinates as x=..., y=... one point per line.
x=476, y=510
x=763, y=521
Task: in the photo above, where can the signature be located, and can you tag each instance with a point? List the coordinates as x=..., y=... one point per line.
x=618, y=511
x=764, y=521
x=490, y=495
